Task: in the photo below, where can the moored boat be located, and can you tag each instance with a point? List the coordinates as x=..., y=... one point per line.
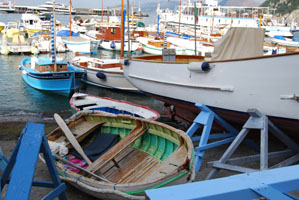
x=106, y=73
x=81, y=45
x=42, y=74
x=110, y=37
x=149, y=155
x=16, y=40
x=81, y=101
x=232, y=82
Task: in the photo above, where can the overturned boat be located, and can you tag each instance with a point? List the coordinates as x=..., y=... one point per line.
x=81, y=101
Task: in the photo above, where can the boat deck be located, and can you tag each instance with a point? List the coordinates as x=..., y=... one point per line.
x=179, y=58
x=135, y=166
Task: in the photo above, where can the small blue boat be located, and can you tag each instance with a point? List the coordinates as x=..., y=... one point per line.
x=43, y=74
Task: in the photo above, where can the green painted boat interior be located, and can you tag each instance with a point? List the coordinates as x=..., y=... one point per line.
x=157, y=141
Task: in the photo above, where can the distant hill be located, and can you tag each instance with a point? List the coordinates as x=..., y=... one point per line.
x=283, y=6
x=249, y=3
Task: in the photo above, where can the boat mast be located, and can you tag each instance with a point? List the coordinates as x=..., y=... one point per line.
x=122, y=30
x=102, y=13
x=53, y=37
x=128, y=15
x=180, y=18
x=70, y=17
x=195, y=21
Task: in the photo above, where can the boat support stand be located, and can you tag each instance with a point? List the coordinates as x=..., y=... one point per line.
x=257, y=121
x=206, y=118
x=20, y=168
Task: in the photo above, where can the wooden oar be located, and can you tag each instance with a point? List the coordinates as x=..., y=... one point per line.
x=78, y=167
x=71, y=137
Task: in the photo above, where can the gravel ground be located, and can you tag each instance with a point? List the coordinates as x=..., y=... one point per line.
x=9, y=134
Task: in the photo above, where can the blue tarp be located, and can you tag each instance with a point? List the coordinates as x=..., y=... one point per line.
x=295, y=39
x=279, y=37
x=64, y=33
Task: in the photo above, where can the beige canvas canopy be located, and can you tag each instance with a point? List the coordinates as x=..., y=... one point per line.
x=239, y=42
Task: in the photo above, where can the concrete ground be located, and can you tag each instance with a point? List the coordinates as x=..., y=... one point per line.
x=8, y=139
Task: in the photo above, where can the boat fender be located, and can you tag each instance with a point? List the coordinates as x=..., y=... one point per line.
x=112, y=45
x=124, y=62
x=199, y=67
x=100, y=75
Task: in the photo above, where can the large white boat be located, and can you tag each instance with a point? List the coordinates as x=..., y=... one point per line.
x=210, y=14
x=237, y=78
x=7, y=6
x=60, y=8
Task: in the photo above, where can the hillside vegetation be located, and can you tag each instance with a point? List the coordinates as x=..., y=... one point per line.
x=282, y=6
x=239, y=3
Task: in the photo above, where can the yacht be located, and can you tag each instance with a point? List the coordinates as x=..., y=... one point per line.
x=60, y=8
x=7, y=6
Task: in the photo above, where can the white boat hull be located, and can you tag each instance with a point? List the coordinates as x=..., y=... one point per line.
x=109, y=77
x=116, y=45
x=269, y=84
x=83, y=46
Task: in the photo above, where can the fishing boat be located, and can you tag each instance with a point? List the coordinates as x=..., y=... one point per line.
x=125, y=155
x=110, y=36
x=107, y=73
x=41, y=73
x=16, y=40
x=81, y=101
x=231, y=82
x=81, y=45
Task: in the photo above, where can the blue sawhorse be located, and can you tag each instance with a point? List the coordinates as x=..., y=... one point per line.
x=206, y=118
x=272, y=184
x=19, y=172
x=257, y=121
x=3, y=164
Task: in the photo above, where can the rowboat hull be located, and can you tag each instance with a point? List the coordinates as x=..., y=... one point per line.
x=233, y=85
x=159, y=148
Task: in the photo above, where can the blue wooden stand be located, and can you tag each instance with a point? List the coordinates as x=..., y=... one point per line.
x=272, y=184
x=206, y=118
x=3, y=164
x=19, y=172
x=257, y=121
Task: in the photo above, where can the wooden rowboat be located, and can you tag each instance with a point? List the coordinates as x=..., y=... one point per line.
x=149, y=155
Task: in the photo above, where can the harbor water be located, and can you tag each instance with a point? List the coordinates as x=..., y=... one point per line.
x=18, y=101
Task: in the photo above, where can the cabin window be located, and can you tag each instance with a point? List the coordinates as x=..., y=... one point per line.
x=31, y=22
x=47, y=67
x=113, y=31
x=60, y=66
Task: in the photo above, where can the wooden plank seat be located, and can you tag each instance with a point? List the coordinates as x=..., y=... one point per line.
x=120, y=146
x=82, y=130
